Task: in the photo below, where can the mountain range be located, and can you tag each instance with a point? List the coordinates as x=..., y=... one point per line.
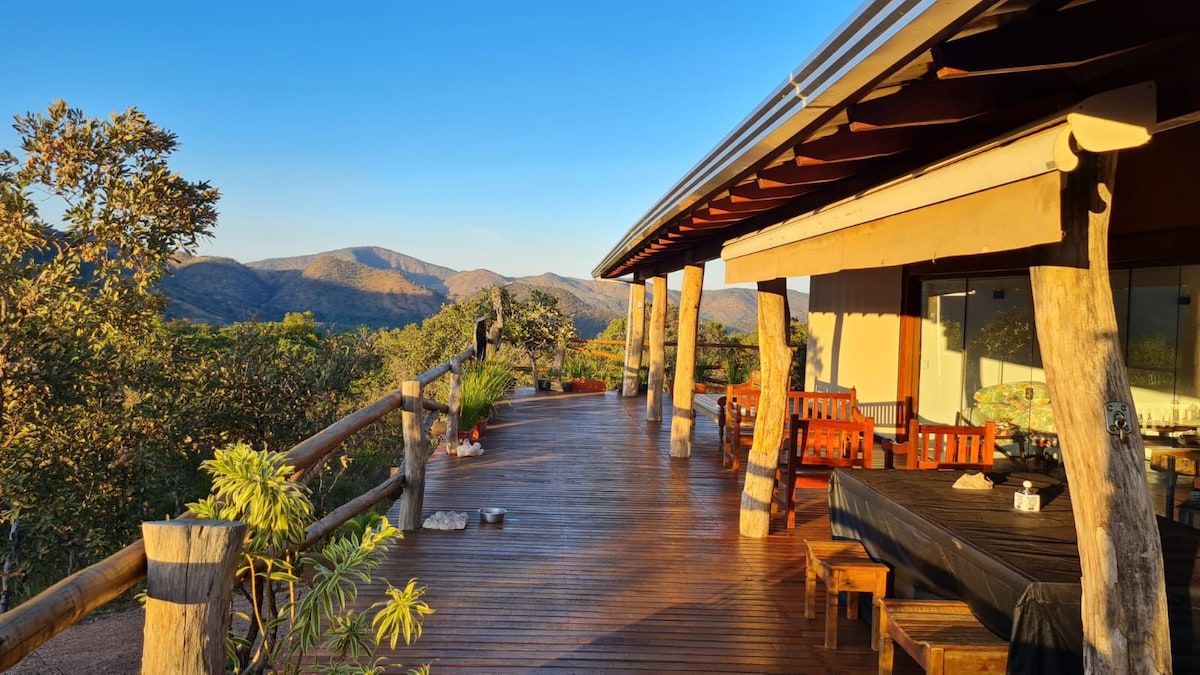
x=375, y=287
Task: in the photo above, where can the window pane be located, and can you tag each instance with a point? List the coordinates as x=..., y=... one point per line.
x=1153, y=340
x=1187, y=365
x=944, y=313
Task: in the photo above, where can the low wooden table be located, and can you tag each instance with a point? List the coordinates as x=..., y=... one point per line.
x=843, y=566
x=942, y=636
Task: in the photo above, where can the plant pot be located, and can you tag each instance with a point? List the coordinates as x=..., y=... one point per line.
x=471, y=434
x=701, y=388
x=589, y=385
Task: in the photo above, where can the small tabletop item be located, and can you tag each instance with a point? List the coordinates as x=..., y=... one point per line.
x=973, y=481
x=1027, y=498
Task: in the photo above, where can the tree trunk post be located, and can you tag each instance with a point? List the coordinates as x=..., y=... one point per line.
x=556, y=367
x=1124, y=606
x=497, y=327
x=635, y=335
x=413, y=498
x=683, y=417
x=658, y=350
x=190, y=567
x=775, y=357
x=454, y=402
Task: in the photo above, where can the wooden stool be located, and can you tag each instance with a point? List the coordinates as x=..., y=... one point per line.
x=942, y=636
x=843, y=566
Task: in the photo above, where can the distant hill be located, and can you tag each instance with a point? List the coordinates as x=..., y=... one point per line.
x=375, y=287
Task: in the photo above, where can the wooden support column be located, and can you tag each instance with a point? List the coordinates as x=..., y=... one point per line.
x=1124, y=599
x=497, y=327
x=415, y=455
x=775, y=358
x=658, y=350
x=635, y=335
x=190, y=566
x=556, y=368
x=683, y=418
x=454, y=403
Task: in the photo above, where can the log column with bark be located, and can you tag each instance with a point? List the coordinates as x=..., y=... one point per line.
x=635, y=334
x=1126, y=627
x=775, y=357
x=683, y=418
x=658, y=350
x=1124, y=599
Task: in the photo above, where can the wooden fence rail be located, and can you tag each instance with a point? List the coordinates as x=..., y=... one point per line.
x=28, y=626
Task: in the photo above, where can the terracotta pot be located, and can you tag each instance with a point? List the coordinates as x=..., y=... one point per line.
x=471, y=434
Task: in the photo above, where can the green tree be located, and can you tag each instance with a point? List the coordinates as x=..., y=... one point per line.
x=78, y=307
x=69, y=294
x=537, y=327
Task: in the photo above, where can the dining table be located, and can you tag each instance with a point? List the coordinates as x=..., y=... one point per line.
x=1018, y=571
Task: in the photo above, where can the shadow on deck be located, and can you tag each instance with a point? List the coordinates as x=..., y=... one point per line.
x=613, y=556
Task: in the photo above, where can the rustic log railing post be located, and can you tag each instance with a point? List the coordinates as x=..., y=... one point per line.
x=683, y=417
x=658, y=350
x=190, y=567
x=775, y=357
x=415, y=455
x=454, y=402
x=635, y=334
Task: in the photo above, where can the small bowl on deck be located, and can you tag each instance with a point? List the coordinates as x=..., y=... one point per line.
x=492, y=514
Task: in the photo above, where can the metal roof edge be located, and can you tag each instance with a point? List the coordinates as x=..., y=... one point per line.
x=778, y=117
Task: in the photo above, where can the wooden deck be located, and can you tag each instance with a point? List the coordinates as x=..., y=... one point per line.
x=613, y=556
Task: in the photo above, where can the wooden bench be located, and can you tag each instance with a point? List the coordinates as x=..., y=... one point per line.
x=843, y=566
x=942, y=636
x=712, y=406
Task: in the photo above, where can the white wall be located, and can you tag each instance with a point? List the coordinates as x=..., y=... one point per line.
x=854, y=333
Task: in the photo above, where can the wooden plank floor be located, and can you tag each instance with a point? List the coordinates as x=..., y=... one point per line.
x=613, y=557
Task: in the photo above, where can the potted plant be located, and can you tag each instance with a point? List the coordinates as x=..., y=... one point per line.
x=583, y=377
x=483, y=384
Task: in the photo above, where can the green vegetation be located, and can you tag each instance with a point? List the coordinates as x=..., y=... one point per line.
x=253, y=487
x=538, y=327
x=483, y=384
x=108, y=412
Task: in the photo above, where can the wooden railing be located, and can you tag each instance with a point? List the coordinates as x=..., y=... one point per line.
x=28, y=626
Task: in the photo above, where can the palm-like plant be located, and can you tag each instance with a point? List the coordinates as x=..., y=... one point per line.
x=253, y=487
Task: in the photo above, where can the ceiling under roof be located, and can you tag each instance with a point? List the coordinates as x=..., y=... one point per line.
x=898, y=89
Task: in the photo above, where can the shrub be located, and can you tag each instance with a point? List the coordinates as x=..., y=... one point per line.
x=253, y=487
x=483, y=384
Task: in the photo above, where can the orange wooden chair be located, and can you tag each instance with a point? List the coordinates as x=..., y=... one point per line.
x=822, y=443
x=934, y=446
x=812, y=405
x=741, y=408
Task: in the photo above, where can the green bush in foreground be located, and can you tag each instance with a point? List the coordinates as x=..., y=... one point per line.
x=253, y=487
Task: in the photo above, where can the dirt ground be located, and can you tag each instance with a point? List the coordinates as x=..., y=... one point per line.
x=108, y=642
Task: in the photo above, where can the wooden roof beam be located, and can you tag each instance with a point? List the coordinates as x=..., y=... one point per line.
x=750, y=192
x=932, y=102
x=849, y=145
x=792, y=175
x=1067, y=38
x=731, y=205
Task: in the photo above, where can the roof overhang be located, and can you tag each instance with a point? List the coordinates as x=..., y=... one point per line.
x=1001, y=196
x=901, y=87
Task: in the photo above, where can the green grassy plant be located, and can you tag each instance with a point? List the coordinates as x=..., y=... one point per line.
x=483, y=384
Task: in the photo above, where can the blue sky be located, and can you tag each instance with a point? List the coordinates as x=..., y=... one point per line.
x=523, y=137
